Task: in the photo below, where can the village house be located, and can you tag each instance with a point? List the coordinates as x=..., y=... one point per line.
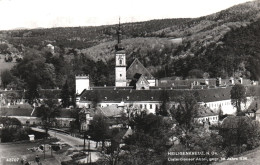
x=112, y=113
x=206, y=115
x=27, y=116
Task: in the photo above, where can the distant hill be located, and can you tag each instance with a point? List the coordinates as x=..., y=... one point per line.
x=221, y=44
x=85, y=37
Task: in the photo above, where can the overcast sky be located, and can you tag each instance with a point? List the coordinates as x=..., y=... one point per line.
x=56, y=13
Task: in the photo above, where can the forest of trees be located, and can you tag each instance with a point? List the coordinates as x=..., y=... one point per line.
x=219, y=45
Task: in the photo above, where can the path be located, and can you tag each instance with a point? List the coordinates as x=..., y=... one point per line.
x=75, y=142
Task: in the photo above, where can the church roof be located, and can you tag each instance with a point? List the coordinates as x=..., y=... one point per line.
x=137, y=79
x=142, y=78
x=137, y=67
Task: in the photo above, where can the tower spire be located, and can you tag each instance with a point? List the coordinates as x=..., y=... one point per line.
x=119, y=46
x=119, y=33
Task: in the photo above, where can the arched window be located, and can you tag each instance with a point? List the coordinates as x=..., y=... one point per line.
x=120, y=62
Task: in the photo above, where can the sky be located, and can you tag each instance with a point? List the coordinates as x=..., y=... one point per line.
x=15, y=14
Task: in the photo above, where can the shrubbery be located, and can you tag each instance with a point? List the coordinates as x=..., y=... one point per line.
x=13, y=131
x=11, y=134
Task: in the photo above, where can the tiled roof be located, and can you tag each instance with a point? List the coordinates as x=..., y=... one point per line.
x=128, y=133
x=137, y=67
x=64, y=113
x=90, y=111
x=205, y=95
x=110, y=111
x=135, y=79
x=171, y=83
x=217, y=94
x=205, y=111
x=111, y=88
x=258, y=111
x=16, y=111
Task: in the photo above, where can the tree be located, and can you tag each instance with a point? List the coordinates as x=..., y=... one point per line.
x=65, y=95
x=4, y=48
x=48, y=111
x=79, y=117
x=34, y=69
x=201, y=140
x=196, y=73
x=10, y=122
x=186, y=110
x=240, y=133
x=98, y=129
x=150, y=140
x=220, y=113
x=164, y=98
x=6, y=78
x=32, y=93
x=12, y=130
x=238, y=96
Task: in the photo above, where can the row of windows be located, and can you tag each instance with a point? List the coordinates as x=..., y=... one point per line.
x=150, y=106
x=142, y=106
x=145, y=106
x=216, y=105
x=39, y=123
x=208, y=119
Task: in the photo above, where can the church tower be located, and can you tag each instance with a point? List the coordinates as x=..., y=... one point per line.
x=120, y=68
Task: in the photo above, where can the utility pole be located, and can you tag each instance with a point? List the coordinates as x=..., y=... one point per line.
x=51, y=150
x=89, y=153
x=44, y=151
x=88, y=145
x=84, y=147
